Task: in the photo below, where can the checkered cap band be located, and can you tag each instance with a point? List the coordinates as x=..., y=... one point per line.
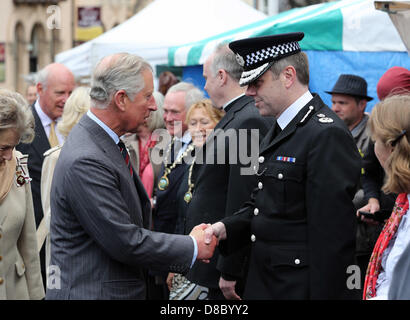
x=271, y=52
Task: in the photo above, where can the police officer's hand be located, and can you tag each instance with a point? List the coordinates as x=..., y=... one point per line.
x=217, y=229
x=228, y=289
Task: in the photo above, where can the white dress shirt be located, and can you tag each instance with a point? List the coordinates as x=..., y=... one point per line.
x=46, y=122
x=287, y=116
x=186, y=140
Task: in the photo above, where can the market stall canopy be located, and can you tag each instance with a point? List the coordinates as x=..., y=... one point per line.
x=162, y=24
x=341, y=37
x=399, y=13
x=351, y=25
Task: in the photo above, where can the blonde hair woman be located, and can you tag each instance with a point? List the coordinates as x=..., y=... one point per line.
x=75, y=107
x=201, y=119
x=20, y=276
x=389, y=124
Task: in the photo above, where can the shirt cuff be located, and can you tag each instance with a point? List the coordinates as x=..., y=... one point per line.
x=195, y=251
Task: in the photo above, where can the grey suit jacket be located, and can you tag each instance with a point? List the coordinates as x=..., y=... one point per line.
x=99, y=247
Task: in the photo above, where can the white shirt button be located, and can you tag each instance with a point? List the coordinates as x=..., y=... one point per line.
x=256, y=211
x=280, y=176
x=253, y=238
x=261, y=159
x=297, y=261
x=260, y=185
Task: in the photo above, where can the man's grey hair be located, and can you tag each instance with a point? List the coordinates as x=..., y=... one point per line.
x=299, y=61
x=224, y=58
x=192, y=93
x=122, y=71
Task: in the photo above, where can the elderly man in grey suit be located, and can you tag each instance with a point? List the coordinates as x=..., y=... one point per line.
x=100, y=247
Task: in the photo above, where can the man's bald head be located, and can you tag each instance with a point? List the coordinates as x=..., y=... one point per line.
x=54, y=86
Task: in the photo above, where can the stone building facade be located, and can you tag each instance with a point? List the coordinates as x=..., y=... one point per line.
x=33, y=31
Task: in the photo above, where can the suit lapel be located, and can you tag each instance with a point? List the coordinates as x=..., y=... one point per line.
x=145, y=202
x=220, y=128
x=42, y=144
x=225, y=120
x=107, y=145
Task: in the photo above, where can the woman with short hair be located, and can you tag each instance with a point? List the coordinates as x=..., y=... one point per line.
x=20, y=275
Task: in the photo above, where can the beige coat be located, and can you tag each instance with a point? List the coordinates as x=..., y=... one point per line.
x=43, y=231
x=20, y=276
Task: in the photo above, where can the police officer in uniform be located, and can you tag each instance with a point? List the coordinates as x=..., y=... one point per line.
x=300, y=220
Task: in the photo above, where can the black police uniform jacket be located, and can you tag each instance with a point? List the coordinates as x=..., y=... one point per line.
x=220, y=188
x=301, y=220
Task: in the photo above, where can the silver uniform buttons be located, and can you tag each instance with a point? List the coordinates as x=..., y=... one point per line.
x=253, y=238
x=280, y=176
x=260, y=185
x=261, y=159
x=297, y=261
x=256, y=211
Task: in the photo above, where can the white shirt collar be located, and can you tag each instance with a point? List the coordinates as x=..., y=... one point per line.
x=186, y=138
x=287, y=116
x=111, y=133
x=45, y=119
x=230, y=101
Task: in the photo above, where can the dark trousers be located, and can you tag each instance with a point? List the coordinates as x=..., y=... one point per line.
x=157, y=288
x=215, y=294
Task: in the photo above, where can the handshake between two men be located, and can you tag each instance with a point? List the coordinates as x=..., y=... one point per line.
x=207, y=237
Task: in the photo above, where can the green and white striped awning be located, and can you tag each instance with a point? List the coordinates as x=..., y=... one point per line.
x=348, y=25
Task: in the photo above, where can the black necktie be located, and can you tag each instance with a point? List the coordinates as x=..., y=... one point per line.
x=126, y=156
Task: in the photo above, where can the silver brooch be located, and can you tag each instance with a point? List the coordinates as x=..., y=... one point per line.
x=240, y=60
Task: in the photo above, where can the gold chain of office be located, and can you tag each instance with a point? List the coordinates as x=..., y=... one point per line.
x=164, y=181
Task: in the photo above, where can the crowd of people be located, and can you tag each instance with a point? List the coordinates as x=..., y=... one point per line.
x=260, y=191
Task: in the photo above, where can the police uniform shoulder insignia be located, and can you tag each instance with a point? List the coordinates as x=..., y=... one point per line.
x=325, y=120
x=320, y=115
x=240, y=60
